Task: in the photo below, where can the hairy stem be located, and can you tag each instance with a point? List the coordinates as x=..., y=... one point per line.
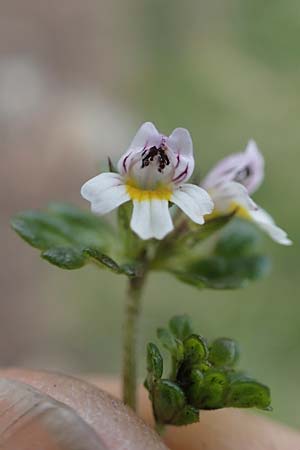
x=132, y=311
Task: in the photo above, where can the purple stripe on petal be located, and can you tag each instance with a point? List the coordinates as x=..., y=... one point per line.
x=124, y=162
x=182, y=175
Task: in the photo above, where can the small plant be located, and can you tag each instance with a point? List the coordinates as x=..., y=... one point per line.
x=204, y=235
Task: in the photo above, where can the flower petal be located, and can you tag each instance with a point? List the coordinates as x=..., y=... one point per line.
x=266, y=223
x=194, y=202
x=181, y=144
x=151, y=219
x=255, y=165
x=180, y=141
x=105, y=192
x=245, y=167
x=95, y=186
x=229, y=195
x=147, y=136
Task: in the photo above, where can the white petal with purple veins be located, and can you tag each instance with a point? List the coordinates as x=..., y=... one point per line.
x=180, y=143
x=245, y=167
x=147, y=136
x=266, y=223
x=151, y=219
x=193, y=201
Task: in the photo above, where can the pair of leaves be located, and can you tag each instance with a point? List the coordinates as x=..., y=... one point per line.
x=203, y=376
x=233, y=262
x=68, y=237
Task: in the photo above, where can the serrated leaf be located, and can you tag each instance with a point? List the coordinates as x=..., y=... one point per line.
x=167, y=401
x=69, y=237
x=195, y=349
x=61, y=225
x=181, y=326
x=223, y=352
x=245, y=392
x=219, y=272
x=154, y=361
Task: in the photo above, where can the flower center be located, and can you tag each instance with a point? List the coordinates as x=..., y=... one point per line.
x=159, y=154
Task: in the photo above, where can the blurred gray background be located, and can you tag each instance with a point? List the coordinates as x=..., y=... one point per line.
x=76, y=80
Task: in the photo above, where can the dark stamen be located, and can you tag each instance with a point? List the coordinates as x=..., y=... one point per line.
x=243, y=174
x=162, y=158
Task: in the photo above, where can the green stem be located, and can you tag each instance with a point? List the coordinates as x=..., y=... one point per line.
x=132, y=311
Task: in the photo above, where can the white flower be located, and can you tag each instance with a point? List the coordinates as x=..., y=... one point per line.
x=232, y=180
x=152, y=173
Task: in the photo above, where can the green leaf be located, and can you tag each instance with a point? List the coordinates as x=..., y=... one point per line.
x=193, y=386
x=195, y=349
x=190, y=278
x=213, y=390
x=154, y=361
x=174, y=346
x=171, y=343
x=245, y=392
x=62, y=225
x=224, y=352
x=103, y=259
x=219, y=272
x=240, y=238
x=69, y=238
x=39, y=230
x=168, y=401
x=65, y=257
x=181, y=326
x=82, y=226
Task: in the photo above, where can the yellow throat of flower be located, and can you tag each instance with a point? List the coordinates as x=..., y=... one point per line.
x=240, y=211
x=140, y=195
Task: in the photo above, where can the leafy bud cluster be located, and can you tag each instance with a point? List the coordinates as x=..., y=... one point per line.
x=203, y=376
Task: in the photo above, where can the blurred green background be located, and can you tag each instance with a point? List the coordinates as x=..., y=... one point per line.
x=76, y=81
